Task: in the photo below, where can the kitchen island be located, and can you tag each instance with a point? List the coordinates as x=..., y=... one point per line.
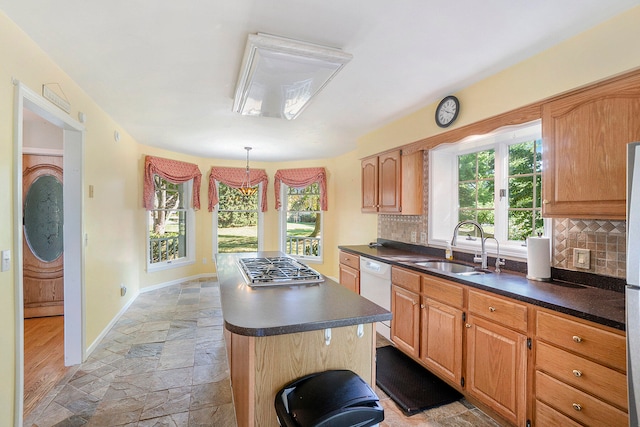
x=277, y=334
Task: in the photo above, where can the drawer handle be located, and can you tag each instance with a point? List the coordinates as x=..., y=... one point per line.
x=576, y=338
x=577, y=373
x=577, y=406
x=492, y=309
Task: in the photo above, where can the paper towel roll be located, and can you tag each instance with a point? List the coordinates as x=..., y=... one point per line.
x=538, y=259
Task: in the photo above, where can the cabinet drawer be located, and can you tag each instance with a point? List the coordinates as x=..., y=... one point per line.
x=443, y=291
x=576, y=404
x=405, y=279
x=506, y=312
x=603, y=382
x=598, y=344
x=547, y=416
x=351, y=260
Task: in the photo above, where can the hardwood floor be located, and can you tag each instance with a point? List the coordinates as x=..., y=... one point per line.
x=43, y=358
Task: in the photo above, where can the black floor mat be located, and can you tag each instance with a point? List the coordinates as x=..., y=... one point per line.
x=409, y=384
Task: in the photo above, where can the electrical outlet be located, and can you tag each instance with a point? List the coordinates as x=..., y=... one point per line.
x=581, y=258
x=414, y=236
x=204, y=259
x=423, y=237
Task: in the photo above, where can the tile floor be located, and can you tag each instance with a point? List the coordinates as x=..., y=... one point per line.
x=164, y=364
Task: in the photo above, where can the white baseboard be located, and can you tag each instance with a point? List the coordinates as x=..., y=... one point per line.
x=115, y=319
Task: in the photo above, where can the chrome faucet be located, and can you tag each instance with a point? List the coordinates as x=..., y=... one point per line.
x=483, y=255
x=499, y=262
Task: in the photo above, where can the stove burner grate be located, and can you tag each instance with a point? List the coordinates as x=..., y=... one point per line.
x=268, y=271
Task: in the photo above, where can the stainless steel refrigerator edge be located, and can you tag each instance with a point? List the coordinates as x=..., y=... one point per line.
x=633, y=281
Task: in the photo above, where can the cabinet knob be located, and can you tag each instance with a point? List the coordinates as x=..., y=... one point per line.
x=468, y=325
x=577, y=373
x=577, y=406
x=421, y=305
x=545, y=202
x=492, y=309
x=576, y=338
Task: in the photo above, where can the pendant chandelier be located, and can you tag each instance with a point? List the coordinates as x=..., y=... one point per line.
x=246, y=189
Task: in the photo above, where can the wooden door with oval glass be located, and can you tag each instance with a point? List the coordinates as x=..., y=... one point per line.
x=43, y=273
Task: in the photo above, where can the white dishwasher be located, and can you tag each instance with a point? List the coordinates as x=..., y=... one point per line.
x=375, y=285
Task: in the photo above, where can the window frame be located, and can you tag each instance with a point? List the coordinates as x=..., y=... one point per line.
x=190, y=257
x=214, y=222
x=282, y=232
x=443, y=188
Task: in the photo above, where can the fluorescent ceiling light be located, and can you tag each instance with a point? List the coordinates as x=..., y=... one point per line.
x=280, y=76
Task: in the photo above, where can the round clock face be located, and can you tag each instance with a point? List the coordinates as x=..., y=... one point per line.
x=447, y=111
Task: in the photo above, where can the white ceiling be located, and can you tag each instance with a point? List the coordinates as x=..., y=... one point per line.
x=166, y=70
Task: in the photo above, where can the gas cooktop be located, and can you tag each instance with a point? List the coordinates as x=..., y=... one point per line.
x=282, y=270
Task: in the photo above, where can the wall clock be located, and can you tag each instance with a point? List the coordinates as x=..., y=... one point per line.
x=447, y=111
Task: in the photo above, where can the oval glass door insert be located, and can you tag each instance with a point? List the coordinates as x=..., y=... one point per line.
x=43, y=215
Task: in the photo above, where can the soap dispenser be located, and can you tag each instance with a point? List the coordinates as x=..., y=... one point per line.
x=448, y=253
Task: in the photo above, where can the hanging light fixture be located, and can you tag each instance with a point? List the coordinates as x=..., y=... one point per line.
x=246, y=189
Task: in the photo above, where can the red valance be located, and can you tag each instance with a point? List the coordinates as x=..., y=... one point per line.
x=234, y=177
x=173, y=171
x=300, y=178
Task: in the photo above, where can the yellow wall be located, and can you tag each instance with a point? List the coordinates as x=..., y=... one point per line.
x=115, y=169
x=604, y=51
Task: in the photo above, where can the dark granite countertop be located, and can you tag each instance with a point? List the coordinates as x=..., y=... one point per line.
x=598, y=305
x=284, y=309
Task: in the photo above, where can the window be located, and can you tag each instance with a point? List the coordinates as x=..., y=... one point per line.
x=301, y=222
x=237, y=220
x=170, y=225
x=494, y=180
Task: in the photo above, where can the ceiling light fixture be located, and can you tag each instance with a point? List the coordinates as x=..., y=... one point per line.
x=279, y=76
x=246, y=189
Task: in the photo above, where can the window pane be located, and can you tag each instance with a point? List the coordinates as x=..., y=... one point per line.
x=167, y=222
x=521, y=192
x=303, y=222
x=486, y=194
x=521, y=158
x=467, y=167
x=520, y=224
x=486, y=164
x=237, y=221
x=467, y=195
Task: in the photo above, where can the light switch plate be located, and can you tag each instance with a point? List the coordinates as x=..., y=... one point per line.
x=581, y=258
x=6, y=260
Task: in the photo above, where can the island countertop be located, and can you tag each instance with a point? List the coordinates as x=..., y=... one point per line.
x=285, y=309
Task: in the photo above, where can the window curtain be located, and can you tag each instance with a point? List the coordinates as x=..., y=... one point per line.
x=173, y=171
x=234, y=177
x=300, y=178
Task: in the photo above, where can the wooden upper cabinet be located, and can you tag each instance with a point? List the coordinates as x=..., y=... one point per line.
x=392, y=183
x=370, y=184
x=585, y=136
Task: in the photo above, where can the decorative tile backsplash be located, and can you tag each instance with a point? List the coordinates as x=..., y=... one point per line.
x=605, y=239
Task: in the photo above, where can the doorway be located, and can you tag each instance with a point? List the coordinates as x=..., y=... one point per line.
x=30, y=104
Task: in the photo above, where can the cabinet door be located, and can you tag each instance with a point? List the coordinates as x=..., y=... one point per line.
x=370, y=184
x=350, y=278
x=405, y=325
x=497, y=368
x=585, y=137
x=389, y=182
x=441, y=339
x=412, y=184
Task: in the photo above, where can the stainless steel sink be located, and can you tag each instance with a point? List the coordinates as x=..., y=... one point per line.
x=451, y=267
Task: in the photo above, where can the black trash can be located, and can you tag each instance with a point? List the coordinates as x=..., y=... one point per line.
x=337, y=398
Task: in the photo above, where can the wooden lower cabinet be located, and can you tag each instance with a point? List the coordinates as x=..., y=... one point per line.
x=441, y=339
x=350, y=271
x=496, y=371
x=523, y=364
x=405, y=325
x=580, y=372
